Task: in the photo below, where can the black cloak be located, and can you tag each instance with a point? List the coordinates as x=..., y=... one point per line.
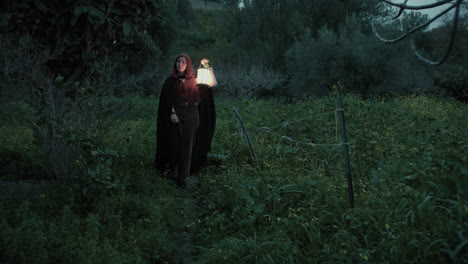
x=202, y=146
x=205, y=134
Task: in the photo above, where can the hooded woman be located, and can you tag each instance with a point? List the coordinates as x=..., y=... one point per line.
x=179, y=120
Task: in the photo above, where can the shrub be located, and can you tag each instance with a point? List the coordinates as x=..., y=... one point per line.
x=402, y=157
x=22, y=72
x=359, y=61
x=453, y=81
x=248, y=81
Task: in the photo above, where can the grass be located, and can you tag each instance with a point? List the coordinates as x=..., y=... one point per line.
x=408, y=167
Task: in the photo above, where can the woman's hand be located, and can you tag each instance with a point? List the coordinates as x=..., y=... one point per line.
x=174, y=119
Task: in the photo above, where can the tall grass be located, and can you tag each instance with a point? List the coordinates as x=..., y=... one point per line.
x=410, y=181
x=408, y=165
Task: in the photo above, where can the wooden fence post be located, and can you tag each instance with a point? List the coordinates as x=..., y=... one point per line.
x=246, y=134
x=344, y=142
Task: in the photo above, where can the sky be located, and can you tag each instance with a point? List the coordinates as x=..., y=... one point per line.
x=430, y=12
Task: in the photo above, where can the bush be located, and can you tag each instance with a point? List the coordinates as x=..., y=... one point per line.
x=360, y=62
x=248, y=81
x=407, y=177
x=408, y=172
x=22, y=71
x=19, y=157
x=453, y=81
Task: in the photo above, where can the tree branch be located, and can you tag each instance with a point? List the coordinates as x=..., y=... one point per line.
x=401, y=11
x=412, y=30
x=450, y=45
x=108, y=9
x=456, y=4
x=404, y=6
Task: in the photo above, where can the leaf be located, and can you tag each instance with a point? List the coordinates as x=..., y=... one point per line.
x=127, y=27
x=95, y=12
x=155, y=4
x=59, y=79
x=138, y=10
x=116, y=11
x=77, y=13
x=80, y=9
x=461, y=245
x=41, y=6
x=91, y=172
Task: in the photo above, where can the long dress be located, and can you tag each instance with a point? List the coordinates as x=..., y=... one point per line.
x=184, y=146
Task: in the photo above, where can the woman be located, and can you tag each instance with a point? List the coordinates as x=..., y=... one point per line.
x=178, y=122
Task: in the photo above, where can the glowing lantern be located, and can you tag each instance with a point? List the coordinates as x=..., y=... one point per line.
x=205, y=74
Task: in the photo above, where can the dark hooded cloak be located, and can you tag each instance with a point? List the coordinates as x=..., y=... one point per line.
x=205, y=132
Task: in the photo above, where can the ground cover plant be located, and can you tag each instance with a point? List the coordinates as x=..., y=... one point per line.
x=408, y=165
x=409, y=173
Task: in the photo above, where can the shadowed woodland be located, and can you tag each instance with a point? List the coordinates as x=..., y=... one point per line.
x=79, y=88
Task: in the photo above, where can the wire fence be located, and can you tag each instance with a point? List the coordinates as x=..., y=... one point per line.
x=287, y=123
x=339, y=123
x=243, y=133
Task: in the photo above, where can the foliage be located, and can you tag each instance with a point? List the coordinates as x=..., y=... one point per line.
x=90, y=219
x=454, y=81
x=83, y=30
x=419, y=21
x=91, y=44
x=185, y=12
x=137, y=229
x=73, y=141
x=240, y=80
x=351, y=57
x=267, y=29
x=19, y=157
x=21, y=71
x=238, y=75
x=206, y=37
x=407, y=167
x=450, y=77
x=409, y=181
x=406, y=154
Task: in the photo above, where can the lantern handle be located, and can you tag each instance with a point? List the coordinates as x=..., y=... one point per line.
x=202, y=65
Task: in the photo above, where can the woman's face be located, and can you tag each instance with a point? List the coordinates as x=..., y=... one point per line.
x=181, y=64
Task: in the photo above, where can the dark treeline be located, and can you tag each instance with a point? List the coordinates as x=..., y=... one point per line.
x=68, y=60
x=78, y=87
x=306, y=45
x=317, y=43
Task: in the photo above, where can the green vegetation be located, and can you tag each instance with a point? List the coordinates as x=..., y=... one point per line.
x=408, y=168
x=78, y=112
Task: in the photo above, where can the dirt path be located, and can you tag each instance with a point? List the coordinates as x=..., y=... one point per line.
x=190, y=208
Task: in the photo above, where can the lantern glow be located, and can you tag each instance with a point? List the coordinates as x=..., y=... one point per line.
x=205, y=74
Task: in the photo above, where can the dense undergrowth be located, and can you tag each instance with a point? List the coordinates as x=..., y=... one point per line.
x=408, y=161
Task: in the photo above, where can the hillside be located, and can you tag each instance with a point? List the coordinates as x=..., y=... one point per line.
x=409, y=178
x=202, y=4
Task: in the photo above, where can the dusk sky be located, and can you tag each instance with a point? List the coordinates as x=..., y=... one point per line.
x=430, y=12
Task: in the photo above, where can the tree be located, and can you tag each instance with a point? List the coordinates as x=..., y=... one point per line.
x=453, y=5
x=452, y=76
x=75, y=37
x=350, y=57
x=268, y=28
x=75, y=33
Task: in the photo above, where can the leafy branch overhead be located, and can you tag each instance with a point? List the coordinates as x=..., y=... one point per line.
x=453, y=5
x=74, y=33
